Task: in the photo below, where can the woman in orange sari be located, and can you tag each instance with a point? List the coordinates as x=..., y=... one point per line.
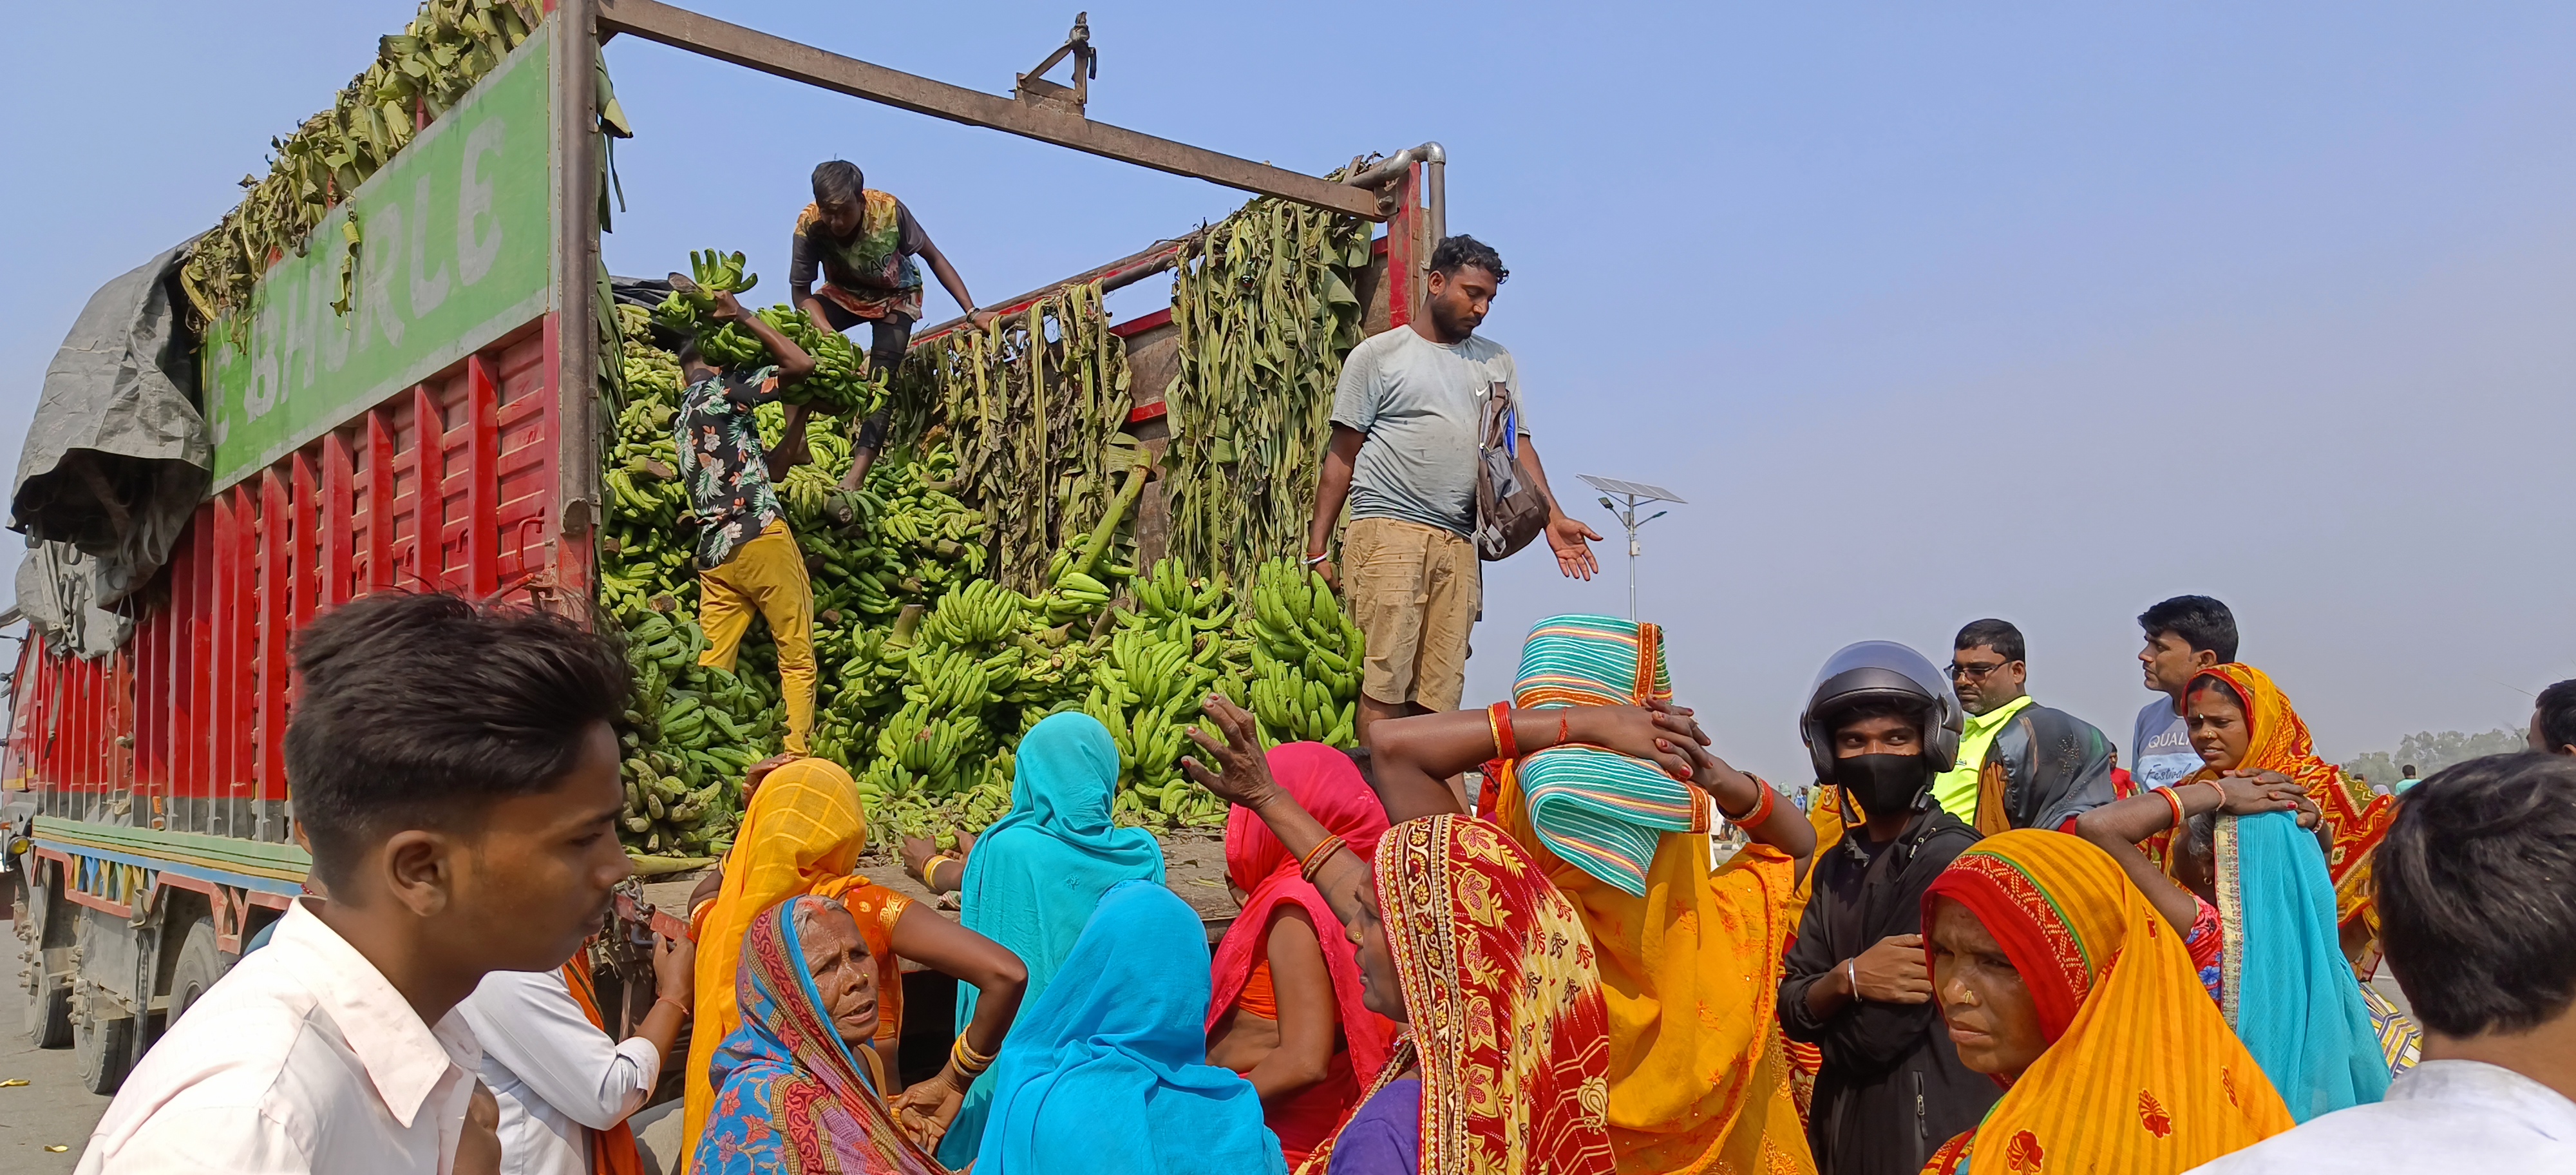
x=801, y=835
x=2058, y=977
x=2272, y=738
x=1690, y=943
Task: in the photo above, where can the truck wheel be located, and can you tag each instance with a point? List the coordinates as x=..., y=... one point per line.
x=100, y=1046
x=200, y=965
x=49, y=1004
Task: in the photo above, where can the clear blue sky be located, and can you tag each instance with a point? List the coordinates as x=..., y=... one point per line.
x=1933, y=312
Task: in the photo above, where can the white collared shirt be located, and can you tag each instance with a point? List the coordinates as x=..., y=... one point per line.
x=300, y=1059
x=556, y=1076
x=2438, y=1116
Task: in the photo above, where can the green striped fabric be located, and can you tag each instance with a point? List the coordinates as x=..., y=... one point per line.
x=1598, y=810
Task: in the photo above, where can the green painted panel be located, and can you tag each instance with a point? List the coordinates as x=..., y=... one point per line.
x=192, y=846
x=456, y=250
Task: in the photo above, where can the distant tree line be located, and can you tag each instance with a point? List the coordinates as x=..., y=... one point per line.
x=2431, y=751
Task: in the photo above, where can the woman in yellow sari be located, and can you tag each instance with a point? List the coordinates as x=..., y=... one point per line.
x=802, y=832
x=1689, y=947
x=2059, y=978
x=2270, y=737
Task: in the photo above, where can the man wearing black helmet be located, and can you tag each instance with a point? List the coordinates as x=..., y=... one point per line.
x=1879, y=724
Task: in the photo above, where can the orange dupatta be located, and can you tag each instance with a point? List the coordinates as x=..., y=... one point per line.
x=612, y=1151
x=2141, y=1075
x=2355, y=819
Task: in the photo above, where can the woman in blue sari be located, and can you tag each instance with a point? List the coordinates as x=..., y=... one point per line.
x=797, y=1085
x=1037, y=874
x=1108, y=1070
x=2250, y=893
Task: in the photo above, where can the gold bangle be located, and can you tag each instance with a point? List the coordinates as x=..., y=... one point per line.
x=967, y=1060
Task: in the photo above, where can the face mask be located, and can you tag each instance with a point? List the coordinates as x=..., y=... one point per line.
x=1883, y=783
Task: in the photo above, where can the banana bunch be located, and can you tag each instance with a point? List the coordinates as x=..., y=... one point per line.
x=841, y=382
x=693, y=732
x=1305, y=658
x=418, y=74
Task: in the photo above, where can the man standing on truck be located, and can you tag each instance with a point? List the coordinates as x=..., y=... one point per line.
x=454, y=773
x=747, y=560
x=1403, y=454
x=863, y=241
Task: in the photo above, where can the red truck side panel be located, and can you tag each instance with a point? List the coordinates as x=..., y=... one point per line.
x=451, y=485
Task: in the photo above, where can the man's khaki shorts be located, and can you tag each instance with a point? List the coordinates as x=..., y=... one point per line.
x=1414, y=591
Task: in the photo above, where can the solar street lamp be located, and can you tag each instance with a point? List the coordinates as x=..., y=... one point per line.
x=1631, y=495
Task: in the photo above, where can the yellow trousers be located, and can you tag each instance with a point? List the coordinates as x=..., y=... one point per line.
x=766, y=576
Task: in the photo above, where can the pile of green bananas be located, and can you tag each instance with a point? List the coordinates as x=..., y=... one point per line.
x=420, y=72
x=1266, y=308
x=839, y=383
x=1305, y=658
x=694, y=730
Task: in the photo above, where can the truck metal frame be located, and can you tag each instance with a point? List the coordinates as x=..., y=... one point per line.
x=144, y=810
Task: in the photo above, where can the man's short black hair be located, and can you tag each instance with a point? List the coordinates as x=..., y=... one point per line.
x=2557, y=709
x=418, y=711
x=1458, y=252
x=2475, y=910
x=838, y=181
x=2203, y=624
x=1999, y=635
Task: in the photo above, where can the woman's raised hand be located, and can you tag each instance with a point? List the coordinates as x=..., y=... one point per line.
x=760, y=771
x=1656, y=734
x=2244, y=793
x=1241, y=775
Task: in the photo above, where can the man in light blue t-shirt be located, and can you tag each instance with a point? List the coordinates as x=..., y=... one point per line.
x=1406, y=418
x=2185, y=635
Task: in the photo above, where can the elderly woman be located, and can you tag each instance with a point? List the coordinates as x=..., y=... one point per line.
x=801, y=835
x=797, y=1085
x=1504, y=1064
x=2055, y=975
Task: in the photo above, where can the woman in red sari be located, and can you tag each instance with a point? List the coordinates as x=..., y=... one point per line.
x=1288, y=1010
x=1505, y=1060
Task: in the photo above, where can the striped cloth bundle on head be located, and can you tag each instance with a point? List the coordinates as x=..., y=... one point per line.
x=1598, y=810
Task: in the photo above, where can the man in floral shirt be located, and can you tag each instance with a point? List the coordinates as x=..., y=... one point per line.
x=747, y=560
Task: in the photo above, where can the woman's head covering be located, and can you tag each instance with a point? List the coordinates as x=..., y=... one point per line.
x=1598, y=810
x=792, y=1098
x=1503, y=1005
x=2141, y=1074
x=803, y=829
x=1108, y=1070
x=1327, y=784
x=2283, y=981
x=1037, y=874
x=2355, y=819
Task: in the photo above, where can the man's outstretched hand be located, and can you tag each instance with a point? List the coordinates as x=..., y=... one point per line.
x=1573, y=553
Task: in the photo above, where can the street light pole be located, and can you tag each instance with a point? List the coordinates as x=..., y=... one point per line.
x=1631, y=495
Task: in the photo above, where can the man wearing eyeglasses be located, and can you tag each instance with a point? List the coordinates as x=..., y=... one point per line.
x=2021, y=764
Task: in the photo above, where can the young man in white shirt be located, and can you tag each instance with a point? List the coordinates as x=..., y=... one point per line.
x=454, y=773
x=565, y=1087
x=2479, y=922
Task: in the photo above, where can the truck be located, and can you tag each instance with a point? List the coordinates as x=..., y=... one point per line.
x=436, y=427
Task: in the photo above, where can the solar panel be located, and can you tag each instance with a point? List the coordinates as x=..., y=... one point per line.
x=1638, y=489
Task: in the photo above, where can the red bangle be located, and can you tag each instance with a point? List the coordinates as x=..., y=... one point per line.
x=1506, y=747
x=685, y=1011
x=1316, y=856
x=1563, y=728
x=1761, y=809
x=2175, y=802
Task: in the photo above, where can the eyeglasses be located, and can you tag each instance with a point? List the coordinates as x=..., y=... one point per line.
x=1975, y=672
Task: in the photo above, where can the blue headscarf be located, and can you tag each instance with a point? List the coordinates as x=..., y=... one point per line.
x=2283, y=980
x=1036, y=875
x=792, y=1098
x=1108, y=1071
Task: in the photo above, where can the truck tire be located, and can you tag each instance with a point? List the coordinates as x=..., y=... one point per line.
x=100, y=1047
x=200, y=964
x=49, y=1004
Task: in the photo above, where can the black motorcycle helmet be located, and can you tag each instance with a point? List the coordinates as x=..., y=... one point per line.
x=1882, y=669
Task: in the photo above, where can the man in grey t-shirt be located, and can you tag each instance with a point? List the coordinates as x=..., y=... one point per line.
x=2185, y=635
x=1403, y=454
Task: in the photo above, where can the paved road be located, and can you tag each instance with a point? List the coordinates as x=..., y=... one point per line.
x=51, y=1109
